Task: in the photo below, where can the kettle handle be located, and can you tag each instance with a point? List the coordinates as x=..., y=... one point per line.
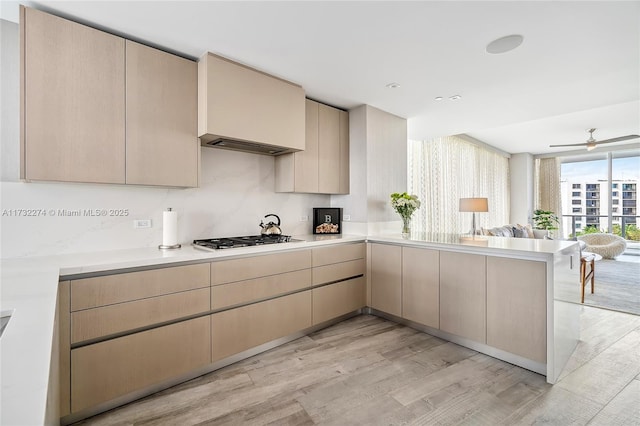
x=274, y=215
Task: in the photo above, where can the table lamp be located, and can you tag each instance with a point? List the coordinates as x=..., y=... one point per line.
x=474, y=205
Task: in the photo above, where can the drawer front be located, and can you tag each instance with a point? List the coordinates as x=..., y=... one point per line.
x=239, y=329
x=259, y=288
x=334, y=300
x=227, y=271
x=338, y=253
x=338, y=271
x=107, y=370
x=100, y=291
x=98, y=322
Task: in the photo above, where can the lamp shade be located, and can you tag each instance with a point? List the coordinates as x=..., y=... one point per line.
x=474, y=205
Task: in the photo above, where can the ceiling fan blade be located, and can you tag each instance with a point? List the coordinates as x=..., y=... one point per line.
x=573, y=144
x=618, y=139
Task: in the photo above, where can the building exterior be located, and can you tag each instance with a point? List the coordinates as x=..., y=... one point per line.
x=586, y=203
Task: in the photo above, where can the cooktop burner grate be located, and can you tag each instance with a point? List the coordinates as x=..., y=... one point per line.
x=235, y=242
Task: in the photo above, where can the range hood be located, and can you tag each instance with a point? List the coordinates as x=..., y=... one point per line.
x=245, y=146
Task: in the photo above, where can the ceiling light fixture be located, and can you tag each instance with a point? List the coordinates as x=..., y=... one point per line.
x=393, y=85
x=454, y=97
x=504, y=44
x=438, y=98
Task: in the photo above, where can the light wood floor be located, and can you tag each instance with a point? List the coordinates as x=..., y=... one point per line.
x=369, y=371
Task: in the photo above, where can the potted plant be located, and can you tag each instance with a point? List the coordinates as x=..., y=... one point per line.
x=545, y=220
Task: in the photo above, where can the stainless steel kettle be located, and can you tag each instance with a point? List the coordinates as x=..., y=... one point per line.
x=270, y=228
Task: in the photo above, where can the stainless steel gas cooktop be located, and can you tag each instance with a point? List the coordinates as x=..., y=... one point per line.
x=234, y=242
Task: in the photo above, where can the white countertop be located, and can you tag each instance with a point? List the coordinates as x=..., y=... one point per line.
x=29, y=288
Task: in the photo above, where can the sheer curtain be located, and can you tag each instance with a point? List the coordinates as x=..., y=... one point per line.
x=443, y=170
x=548, y=191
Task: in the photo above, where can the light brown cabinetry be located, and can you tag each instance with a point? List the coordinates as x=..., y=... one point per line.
x=227, y=271
x=421, y=286
x=342, y=267
x=386, y=278
x=241, y=103
x=161, y=118
x=323, y=167
x=113, y=368
x=517, y=307
x=98, y=108
x=73, y=101
x=239, y=329
x=463, y=295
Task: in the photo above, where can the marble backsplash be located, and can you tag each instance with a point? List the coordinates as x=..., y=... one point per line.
x=236, y=191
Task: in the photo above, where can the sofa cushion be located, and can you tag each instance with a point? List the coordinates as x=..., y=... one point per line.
x=520, y=232
x=502, y=231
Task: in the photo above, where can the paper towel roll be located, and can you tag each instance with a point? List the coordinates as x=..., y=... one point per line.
x=169, y=228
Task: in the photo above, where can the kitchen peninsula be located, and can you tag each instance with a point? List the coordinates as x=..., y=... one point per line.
x=490, y=294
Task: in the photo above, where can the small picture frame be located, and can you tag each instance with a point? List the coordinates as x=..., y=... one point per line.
x=327, y=220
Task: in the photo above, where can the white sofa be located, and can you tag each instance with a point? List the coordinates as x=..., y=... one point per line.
x=515, y=231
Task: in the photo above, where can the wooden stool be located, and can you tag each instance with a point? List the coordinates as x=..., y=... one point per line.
x=587, y=259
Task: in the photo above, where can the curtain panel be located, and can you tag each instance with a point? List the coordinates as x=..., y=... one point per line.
x=548, y=191
x=443, y=170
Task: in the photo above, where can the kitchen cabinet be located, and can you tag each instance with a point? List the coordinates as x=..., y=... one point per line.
x=323, y=167
x=73, y=101
x=162, y=147
x=240, y=103
x=421, y=286
x=247, y=268
x=239, y=329
x=517, y=307
x=113, y=368
x=386, y=278
x=101, y=109
x=463, y=295
x=342, y=269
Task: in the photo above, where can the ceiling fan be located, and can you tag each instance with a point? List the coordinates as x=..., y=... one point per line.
x=591, y=143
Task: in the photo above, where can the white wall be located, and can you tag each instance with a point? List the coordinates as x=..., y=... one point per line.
x=521, y=175
x=237, y=190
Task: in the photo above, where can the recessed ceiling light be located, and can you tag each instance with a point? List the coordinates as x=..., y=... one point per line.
x=504, y=44
x=454, y=97
x=393, y=85
x=438, y=98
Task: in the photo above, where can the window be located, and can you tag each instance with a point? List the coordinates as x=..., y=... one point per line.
x=576, y=202
x=615, y=202
x=614, y=186
x=576, y=186
x=575, y=194
x=577, y=210
x=593, y=187
x=614, y=210
x=614, y=193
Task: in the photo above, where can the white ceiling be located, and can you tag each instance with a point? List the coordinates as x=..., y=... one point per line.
x=578, y=67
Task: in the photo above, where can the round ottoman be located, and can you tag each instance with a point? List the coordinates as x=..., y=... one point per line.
x=606, y=245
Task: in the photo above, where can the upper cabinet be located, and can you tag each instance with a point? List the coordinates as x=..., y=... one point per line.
x=323, y=167
x=98, y=108
x=162, y=118
x=246, y=109
x=73, y=101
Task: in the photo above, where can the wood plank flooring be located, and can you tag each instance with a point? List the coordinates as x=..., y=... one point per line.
x=369, y=371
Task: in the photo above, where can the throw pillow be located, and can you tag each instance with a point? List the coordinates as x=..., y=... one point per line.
x=519, y=232
x=528, y=229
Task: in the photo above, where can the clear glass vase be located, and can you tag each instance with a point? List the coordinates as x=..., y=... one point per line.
x=406, y=226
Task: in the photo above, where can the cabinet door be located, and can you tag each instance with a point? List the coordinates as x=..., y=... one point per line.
x=516, y=307
x=463, y=295
x=328, y=149
x=73, y=101
x=337, y=299
x=421, y=286
x=109, y=369
x=386, y=278
x=243, y=328
x=162, y=118
x=344, y=153
x=306, y=162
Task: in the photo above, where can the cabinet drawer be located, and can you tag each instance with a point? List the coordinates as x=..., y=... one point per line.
x=227, y=271
x=99, y=291
x=338, y=253
x=334, y=300
x=338, y=271
x=107, y=370
x=239, y=329
x=98, y=322
x=258, y=288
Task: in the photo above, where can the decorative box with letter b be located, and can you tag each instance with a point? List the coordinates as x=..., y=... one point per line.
x=327, y=220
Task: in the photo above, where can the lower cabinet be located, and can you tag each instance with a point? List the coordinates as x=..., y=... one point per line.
x=463, y=295
x=337, y=299
x=386, y=278
x=239, y=329
x=421, y=286
x=109, y=369
x=517, y=307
